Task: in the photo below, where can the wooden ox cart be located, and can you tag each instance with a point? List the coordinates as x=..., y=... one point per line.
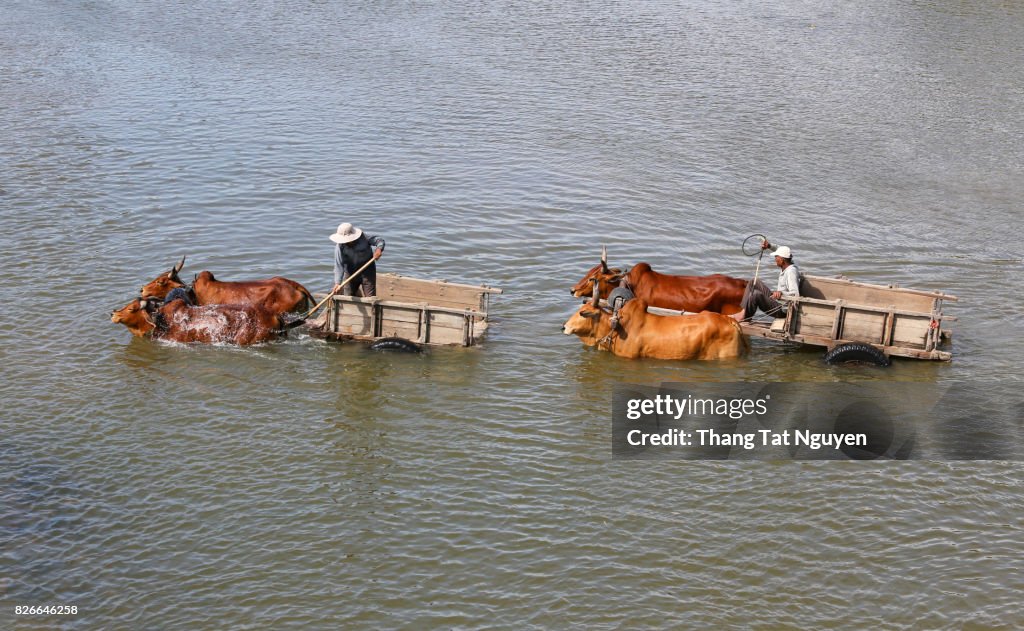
x=858, y=321
x=842, y=315
x=433, y=312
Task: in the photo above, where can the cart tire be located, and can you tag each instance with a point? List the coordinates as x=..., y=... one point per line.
x=856, y=353
x=399, y=344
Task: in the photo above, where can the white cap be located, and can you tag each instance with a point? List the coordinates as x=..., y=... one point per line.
x=784, y=252
x=346, y=233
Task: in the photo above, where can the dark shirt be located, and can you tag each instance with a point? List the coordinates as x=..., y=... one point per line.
x=349, y=257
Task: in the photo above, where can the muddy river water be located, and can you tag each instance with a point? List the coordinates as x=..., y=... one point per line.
x=311, y=485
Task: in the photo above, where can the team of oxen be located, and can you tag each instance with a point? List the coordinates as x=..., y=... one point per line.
x=628, y=330
x=212, y=311
x=248, y=312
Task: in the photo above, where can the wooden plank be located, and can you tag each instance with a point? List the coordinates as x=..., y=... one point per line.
x=763, y=330
x=413, y=290
x=438, y=308
x=446, y=335
x=792, y=318
x=394, y=313
x=394, y=288
x=436, y=300
x=352, y=318
x=408, y=330
x=934, y=331
x=911, y=331
x=899, y=351
x=436, y=328
x=385, y=301
x=867, y=295
x=876, y=308
x=390, y=303
x=934, y=355
x=815, y=319
x=350, y=307
x=403, y=281
x=821, y=284
x=837, y=319
x=354, y=324
x=810, y=287
x=449, y=320
x=453, y=331
x=432, y=294
x=861, y=325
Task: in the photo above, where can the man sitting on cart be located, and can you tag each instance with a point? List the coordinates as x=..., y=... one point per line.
x=758, y=296
x=354, y=250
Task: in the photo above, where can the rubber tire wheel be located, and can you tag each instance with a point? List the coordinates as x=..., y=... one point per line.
x=396, y=344
x=860, y=353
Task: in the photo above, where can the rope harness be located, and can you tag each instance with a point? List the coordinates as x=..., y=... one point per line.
x=154, y=317
x=616, y=299
x=609, y=340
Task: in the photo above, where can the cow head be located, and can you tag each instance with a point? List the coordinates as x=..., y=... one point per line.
x=590, y=322
x=159, y=287
x=135, y=315
x=607, y=277
x=585, y=322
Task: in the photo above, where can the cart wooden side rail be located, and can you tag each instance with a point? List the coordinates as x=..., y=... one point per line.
x=433, y=312
x=831, y=312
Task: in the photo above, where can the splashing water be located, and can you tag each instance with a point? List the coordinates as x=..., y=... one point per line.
x=216, y=323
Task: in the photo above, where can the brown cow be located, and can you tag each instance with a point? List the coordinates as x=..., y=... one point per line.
x=718, y=293
x=705, y=335
x=177, y=321
x=278, y=294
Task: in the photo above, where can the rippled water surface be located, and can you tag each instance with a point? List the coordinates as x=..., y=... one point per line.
x=305, y=484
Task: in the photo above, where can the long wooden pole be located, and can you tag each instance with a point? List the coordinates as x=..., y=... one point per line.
x=757, y=269
x=339, y=287
x=760, y=255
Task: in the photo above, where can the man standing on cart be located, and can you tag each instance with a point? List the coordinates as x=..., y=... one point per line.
x=354, y=250
x=758, y=296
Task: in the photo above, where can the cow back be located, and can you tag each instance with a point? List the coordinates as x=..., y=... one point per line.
x=717, y=292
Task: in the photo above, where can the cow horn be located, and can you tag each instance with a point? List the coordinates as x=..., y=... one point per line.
x=181, y=264
x=597, y=294
x=604, y=259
